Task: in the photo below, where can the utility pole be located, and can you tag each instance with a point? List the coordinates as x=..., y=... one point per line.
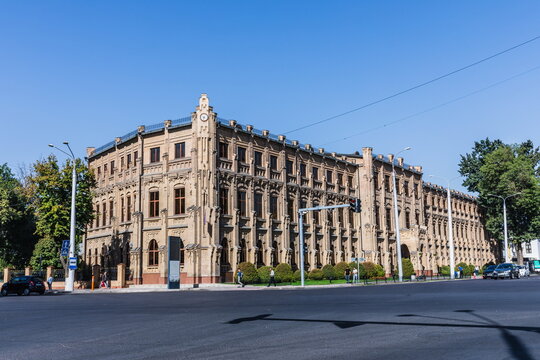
x=506, y=258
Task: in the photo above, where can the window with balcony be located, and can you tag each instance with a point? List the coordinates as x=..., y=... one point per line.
x=329, y=175
x=128, y=161
x=315, y=173
x=302, y=170
x=258, y=204
x=224, y=200
x=274, y=206
x=257, y=158
x=241, y=154
x=273, y=162
x=223, y=150
x=242, y=203
x=112, y=167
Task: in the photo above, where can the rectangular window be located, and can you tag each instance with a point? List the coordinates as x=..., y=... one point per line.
x=111, y=211
x=406, y=188
x=154, y=154
x=135, y=157
x=223, y=150
x=241, y=154
x=329, y=176
x=99, y=171
x=128, y=162
x=351, y=218
x=258, y=204
x=105, y=169
x=349, y=181
x=388, y=219
x=224, y=200
x=97, y=215
x=303, y=170
x=398, y=190
x=290, y=209
x=289, y=167
x=407, y=220
x=128, y=208
x=376, y=180
x=273, y=162
x=377, y=217
x=123, y=210
x=242, y=205
x=386, y=183
x=315, y=213
x=274, y=206
x=417, y=218
x=104, y=215
x=416, y=193
x=340, y=179
x=315, y=173
x=112, y=167
x=122, y=163
x=258, y=158
x=340, y=215
x=179, y=201
x=180, y=150
x=154, y=204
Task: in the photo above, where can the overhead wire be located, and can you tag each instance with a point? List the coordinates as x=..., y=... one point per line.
x=435, y=107
x=414, y=87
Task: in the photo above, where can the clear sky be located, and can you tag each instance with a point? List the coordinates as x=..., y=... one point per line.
x=90, y=71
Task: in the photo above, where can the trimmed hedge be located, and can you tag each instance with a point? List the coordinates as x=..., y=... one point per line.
x=329, y=272
x=340, y=269
x=296, y=275
x=251, y=276
x=283, y=273
x=316, y=274
x=264, y=274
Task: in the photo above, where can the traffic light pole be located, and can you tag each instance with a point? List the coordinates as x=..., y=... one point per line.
x=301, y=213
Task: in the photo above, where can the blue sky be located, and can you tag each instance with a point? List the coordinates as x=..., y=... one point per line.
x=90, y=71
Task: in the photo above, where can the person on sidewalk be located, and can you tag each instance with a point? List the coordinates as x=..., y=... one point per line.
x=347, y=275
x=355, y=276
x=476, y=271
x=460, y=269
x=239, y=277
x=272, y=278
x=50, y=280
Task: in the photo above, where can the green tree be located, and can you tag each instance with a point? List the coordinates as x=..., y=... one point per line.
x=16, y=221
x=51, y=195
x=495, y=168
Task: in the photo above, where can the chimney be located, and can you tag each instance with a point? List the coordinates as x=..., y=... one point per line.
x=281, y=138
x=140, y=129
x=418, y=168
x=266, y=133
x=90, y=151
x=390, y=157
x=380, y=156
x=321, y=150
x=118, y=140
x=167, y=123
x=249, y=128
x=232, y=123
x=400, y=161
x=295, y=142
x=308, y=147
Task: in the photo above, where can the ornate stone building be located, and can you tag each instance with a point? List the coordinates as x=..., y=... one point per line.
x=231, y=193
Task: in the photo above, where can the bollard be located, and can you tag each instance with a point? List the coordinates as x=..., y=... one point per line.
x=93, y=280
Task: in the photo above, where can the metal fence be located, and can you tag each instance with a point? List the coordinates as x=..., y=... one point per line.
x=16, y=273
x=1, y=276
x=112, y=273
x=128, y=275
x=59, y=275
x=83, y=274
x=40, y=274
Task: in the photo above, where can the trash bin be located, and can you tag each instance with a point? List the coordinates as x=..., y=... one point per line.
x=413, y=277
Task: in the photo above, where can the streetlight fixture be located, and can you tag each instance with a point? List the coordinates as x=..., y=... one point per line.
x=505, y=227
x=70, y=280
x=450, y=227
x=396, y=215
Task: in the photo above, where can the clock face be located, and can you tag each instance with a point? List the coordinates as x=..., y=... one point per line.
x=204, y=117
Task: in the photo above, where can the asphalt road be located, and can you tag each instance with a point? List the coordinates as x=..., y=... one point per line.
x=480, y=319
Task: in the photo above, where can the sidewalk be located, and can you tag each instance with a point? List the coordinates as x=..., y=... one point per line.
x=235, y=287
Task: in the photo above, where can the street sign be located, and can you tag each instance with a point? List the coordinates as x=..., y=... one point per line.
x=73, y=263
x=353, y=259
x=65, y=248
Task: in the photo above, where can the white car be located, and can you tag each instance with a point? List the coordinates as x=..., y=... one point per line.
x=523, y=271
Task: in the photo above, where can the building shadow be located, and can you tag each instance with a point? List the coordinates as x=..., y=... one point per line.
x=516, y=347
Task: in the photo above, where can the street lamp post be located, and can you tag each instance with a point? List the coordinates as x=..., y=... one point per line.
x=70, y=280
x=396, y=215
x=450, y=227
x=505, y=226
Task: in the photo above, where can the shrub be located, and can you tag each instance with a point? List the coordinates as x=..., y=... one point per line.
x=296, y=275
x=465, y=268
x=445, y=270
x=329, y=272
x=407, y=266
x=372, y=270
x=361, y=270
x=379, y=270
x=264, y=274
x=340, y=269
x=283, y=273
x=470, y=270
x=316, y=274
x=250, y=273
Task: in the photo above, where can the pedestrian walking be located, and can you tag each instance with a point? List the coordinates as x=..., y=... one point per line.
x=476, y=271
x=347, y=275
x=104, y=280
x=272, y=278
x=50, y=280
x=240, y=277
x=460, y=269
x=355, y=275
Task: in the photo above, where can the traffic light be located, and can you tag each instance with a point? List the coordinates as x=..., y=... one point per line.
x=355, y=205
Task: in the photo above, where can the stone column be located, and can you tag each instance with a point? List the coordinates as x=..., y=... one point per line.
x=28, y=271
x=96, y=273
x=7, y=274
x=121, y=275
x=49, y=272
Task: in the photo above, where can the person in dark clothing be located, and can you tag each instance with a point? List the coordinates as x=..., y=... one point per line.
x=240, y=277
x=272, y=278
x=347, y=275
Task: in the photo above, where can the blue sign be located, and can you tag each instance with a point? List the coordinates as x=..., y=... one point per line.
x=73, y=263
x=65, y=248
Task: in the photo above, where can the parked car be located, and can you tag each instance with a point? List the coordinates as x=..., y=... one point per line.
x=23, y=285
x=506, y=270
x=524, y=271
x=488, y=271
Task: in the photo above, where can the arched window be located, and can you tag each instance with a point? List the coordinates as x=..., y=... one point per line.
x=153, y=253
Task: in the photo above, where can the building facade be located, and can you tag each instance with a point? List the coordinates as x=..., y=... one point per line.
x=231, y=194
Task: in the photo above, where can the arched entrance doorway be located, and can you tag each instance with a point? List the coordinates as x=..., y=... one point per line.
x=405, y=252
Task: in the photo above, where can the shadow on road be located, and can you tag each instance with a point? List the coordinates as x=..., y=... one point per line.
x=516, y=346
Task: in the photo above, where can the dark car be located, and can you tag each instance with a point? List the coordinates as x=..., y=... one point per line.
x=506, y=270
x=488, y=271
x=23, y=285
